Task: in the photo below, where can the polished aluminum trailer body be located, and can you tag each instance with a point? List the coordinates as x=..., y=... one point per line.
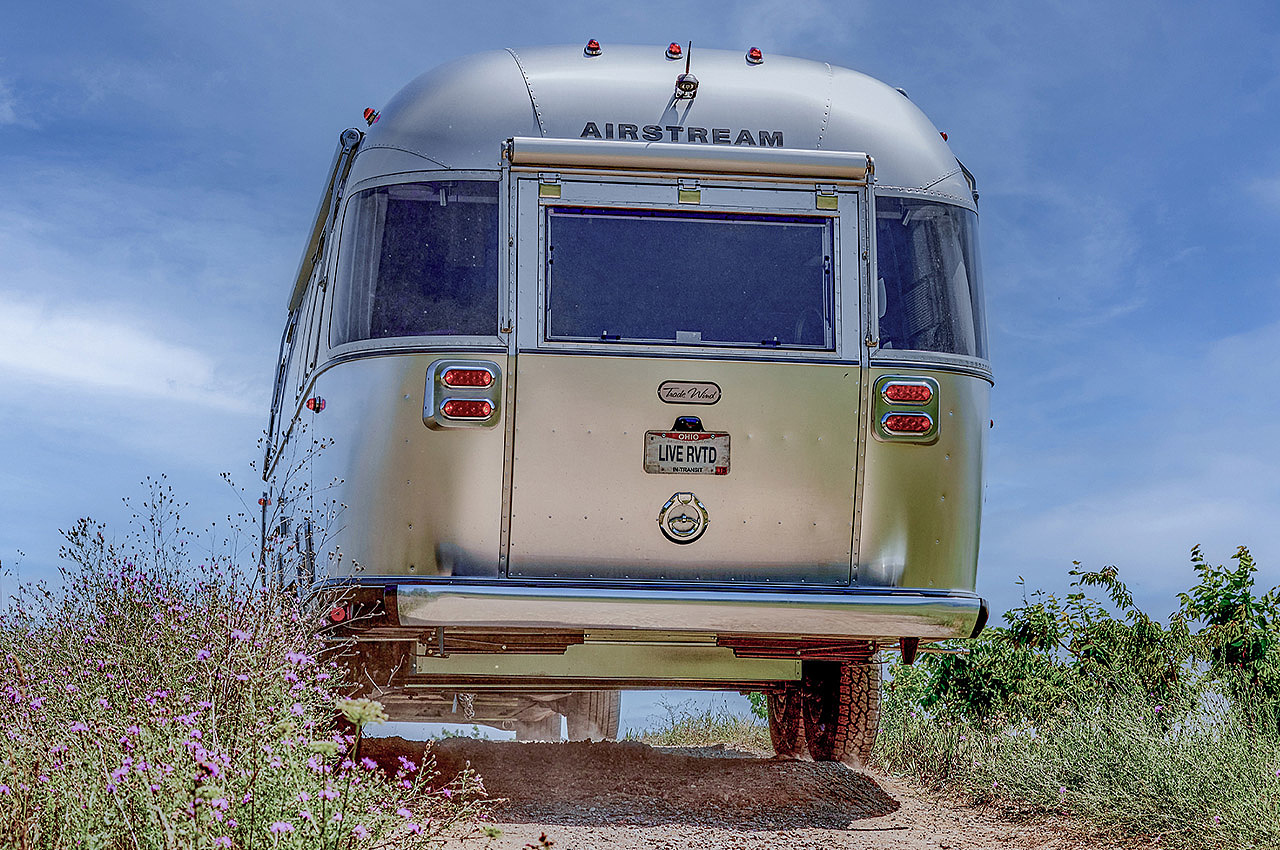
x=554, y=500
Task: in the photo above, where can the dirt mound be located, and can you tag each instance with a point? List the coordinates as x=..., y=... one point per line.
x=632, y=784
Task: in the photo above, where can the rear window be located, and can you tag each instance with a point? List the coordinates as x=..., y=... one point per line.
x=930, y=285
x=418, y=259
x=689, y=278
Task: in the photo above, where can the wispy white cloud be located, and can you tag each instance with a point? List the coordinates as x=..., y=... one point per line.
x=10, y=114
x=785, y=22
x=87, y=348
x=1151, y=454
x=1267, y=190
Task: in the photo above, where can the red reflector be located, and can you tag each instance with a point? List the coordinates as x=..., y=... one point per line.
x=916, y=393
x=674, y=51
x=592, y=48
x=907, y=423
x=754, y=56
x=460, y=408
x=316, y=404
x=371, y=116
x=467, y=378
x=337, y=615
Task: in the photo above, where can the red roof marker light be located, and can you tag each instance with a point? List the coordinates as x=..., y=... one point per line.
x=592, y=48
x=754, y=56
x=371, y=116
x=674, y=51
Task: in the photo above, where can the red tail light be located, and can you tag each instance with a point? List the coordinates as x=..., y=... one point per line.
x=907, y=423
x=316, y=404
x=910, y=393
x=467, y=378
x=337, y=615
x=461, y=408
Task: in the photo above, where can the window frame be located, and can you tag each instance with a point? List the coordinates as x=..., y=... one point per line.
x=718, y=194
x=896, y=356
x=332, y=351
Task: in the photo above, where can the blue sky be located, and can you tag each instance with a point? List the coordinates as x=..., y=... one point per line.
x=160, y=162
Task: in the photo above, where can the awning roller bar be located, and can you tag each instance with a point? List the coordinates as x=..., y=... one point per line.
x=666, y=156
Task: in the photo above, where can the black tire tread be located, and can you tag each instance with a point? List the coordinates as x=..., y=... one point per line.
x=841, y=710
x=786, y=721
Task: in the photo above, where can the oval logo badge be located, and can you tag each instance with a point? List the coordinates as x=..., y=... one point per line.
x=683, y=518
x=689, y=392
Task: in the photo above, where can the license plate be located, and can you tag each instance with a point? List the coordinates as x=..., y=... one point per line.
x=686, y=452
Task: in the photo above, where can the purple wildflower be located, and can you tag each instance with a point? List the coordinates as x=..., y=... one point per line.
x=281, y=826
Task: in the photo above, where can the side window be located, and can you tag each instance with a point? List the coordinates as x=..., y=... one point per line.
x=418, y=259
x=304, y=336
x=928, y=278
x=279, y=395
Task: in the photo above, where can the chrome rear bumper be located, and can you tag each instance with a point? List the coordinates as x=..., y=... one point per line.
x=871, y=614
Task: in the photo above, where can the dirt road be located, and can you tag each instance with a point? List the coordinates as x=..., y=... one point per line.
x=630, y=796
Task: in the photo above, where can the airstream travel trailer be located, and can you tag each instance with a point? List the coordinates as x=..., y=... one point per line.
x=636, y=367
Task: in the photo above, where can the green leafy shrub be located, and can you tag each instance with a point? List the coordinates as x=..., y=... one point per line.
x=1095, y=709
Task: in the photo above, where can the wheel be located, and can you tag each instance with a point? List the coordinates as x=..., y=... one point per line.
x=546, y=729
x=593, y=715
x=786, y=721
x=841, y=703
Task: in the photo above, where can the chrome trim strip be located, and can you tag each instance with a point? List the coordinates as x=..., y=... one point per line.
x=841, y=614
x=667, y=156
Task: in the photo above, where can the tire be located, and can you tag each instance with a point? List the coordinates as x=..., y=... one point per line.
x=786, y=721
x=546, y=729
x=593, y=715
x=841, y=703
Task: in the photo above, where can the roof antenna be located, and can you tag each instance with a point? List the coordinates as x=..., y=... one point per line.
x=686, y=83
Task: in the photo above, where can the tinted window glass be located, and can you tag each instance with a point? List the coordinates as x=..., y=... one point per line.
x=418, y=259
x=689, y=278
x=930, y=285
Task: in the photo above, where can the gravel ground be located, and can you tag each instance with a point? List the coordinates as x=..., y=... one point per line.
x=631, y=796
